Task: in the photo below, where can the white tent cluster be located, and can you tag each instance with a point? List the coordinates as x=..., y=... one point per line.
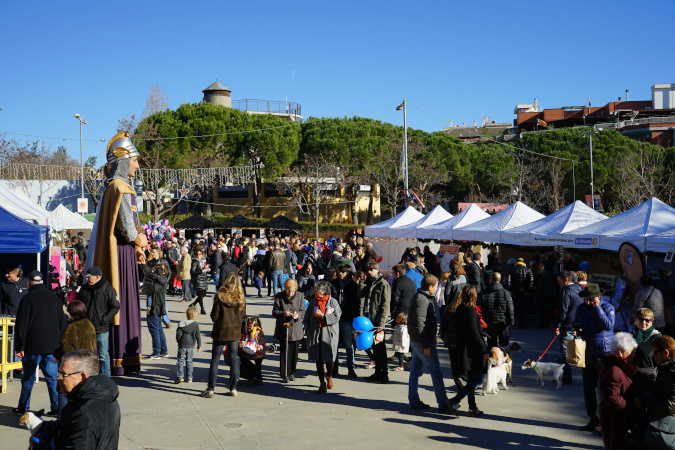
x=649, y=226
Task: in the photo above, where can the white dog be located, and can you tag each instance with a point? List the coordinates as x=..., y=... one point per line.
x=495, y=375
x=32, y=421
x=544, y=369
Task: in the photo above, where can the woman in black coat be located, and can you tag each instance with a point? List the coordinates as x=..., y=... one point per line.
x=470, y=342
x=199, y=272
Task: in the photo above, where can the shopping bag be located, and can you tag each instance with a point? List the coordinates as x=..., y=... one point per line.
x=576, y=352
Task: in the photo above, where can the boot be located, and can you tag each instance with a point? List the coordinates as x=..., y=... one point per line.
x=330, y=382
x=322, y=388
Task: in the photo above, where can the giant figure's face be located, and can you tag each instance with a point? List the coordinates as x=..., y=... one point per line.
x=133, y=165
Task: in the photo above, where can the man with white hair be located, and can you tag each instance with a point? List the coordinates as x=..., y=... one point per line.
x=183, y=273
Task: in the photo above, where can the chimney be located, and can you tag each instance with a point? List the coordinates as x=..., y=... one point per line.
x=627, y=95
x=450, y=123
x=619, y=98
x=474, y=122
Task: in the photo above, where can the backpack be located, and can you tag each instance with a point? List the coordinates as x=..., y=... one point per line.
x=451, y=333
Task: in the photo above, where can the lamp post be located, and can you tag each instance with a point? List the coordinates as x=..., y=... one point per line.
x=82, y=122
x=590, y=146
x=402, y=106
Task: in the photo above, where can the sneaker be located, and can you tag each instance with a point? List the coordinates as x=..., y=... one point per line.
x=189, y=380
x=454, y=408
x=352, y=374
x=371, y=365
x=207, y=393
x=291, y=378
x=179, y=380
x=19, y=411
x=590, y=426
x=163, y=355
x=155, y=357
x=233, y=392
x=399, y=369
x=420, y=405
x=474, y=412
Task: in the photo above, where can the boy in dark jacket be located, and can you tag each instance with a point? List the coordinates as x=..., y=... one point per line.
x=187, y=335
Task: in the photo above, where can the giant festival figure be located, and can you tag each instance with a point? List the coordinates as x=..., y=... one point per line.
x=117, y=247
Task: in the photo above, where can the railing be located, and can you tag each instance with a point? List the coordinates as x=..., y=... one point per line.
x=268, y=106
x=627, y=123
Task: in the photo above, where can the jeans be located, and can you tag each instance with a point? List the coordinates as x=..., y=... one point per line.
x=431, y=365
x=277, y=281
x=562, y=345
x=193, y=291
x=469, y=390
x=347, y=340
x=103, y=349
x=216, y=279
x=49, y=368
x=157, y=333
x=184, y=354
x=232, y=359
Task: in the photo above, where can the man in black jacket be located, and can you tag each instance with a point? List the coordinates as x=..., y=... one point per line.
x=91, y=419
x=40, y=322
x=100, y=299
x=215, y=260
x=497, y=308
x=226, y=268
x=348, y=298
x=474, y=274
x=519, y=282
x=12, y=291
x=402, y=291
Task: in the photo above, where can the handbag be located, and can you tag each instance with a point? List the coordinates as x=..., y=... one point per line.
x=576, y=352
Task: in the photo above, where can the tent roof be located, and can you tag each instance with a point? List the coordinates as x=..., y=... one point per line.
x=281, y=223
x=19, y=236
x=55, y=222
x=438, y=214
x=661, y=242
x=444, y=230
x=547, y=231
x=489, y=229
x=70, y=220
x=634, y=226
x=239, y=221
x=405, y=217
x=23, y=207
x=195, y=222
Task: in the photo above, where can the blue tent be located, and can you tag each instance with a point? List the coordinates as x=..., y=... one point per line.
x=19, y=236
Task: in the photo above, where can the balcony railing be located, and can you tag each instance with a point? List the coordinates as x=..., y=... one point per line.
x=627, y=123
x=267, y=106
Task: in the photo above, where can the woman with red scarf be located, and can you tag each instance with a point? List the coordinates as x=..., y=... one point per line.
x=322, y=326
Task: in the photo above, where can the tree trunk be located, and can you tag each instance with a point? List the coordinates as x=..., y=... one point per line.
x=316, y=222
x=257, y=187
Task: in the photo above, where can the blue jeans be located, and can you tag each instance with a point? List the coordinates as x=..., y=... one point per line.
x=184, y=354
x=469, y=390
x=103, y=349
x=562, y=345
x=347, y=340
x=277, y=281
x=216, y=279
x=232, y=359
x=432, y=366
x=49, y=368
x=157, y=333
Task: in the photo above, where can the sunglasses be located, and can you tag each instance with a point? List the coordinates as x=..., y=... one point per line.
x=644, y=319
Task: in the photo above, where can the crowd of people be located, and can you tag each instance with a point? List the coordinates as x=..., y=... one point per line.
x=319, y=288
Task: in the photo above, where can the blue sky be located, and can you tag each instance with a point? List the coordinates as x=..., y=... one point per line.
x=454, y=60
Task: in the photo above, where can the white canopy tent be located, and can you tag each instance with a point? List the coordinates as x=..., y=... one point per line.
x=662, y=242
x=71, y=220
x=490, y=229
x=23, y=207
x=444, y=230
x=548, y=231
x=389, y=250
x=437, y=215
x=633, y=226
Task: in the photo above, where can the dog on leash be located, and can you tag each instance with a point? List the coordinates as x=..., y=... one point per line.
x=544, y=369
x=495, y=375
x=502, y=356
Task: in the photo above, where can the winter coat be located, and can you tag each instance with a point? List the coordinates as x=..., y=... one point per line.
x=226, y=268
x=378, y=295
x=474, y=276
x=597, y=327
x=568, y=303
x=277, y=260
x=400, y=340
x=422, y=319
x=660, y=402
x=91, y=419
x=322, y=342
x=200, y=278
x=650, y=297
x=544, y=284
x=187, y=334
x=643, y=357
x=282, y=304
x=402, y=292
x=101, y=302
x=215, y=260
x=184, y=266
x=348, y=299
x=470, y=340
x=226, y=319
x=11, y=294
x=415, y=276
x=305, y=282
x=40, y=322
x=79, y=334
x=496, y=305
x=617, y=393
x=519, y=280
x=453, y=288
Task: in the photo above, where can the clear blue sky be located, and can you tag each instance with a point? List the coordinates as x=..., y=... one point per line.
x=455, y=60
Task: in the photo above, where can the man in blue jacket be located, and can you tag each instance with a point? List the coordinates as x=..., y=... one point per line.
x=595, y=321
x=568, y=303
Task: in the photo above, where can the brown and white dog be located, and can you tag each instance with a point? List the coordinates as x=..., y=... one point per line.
x=545, y=368
x=498, y=356
x=32, y=421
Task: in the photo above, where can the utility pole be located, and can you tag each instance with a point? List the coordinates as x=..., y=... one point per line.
x=400, y=107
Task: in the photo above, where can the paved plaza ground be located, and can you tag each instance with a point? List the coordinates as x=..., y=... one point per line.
x=156, y=414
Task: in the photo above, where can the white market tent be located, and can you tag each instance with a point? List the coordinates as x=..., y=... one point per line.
x=437, y=215
x=72, y=221
x=662, y=242
x=23, y=207
x=548, y=231
x=633, y=226
x=444, y=230
x=389, y=250
x=490, y=229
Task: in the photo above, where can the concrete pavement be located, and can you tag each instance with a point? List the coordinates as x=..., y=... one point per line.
x=156, y=414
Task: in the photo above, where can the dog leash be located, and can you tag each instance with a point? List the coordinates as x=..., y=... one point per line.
x=549, y=346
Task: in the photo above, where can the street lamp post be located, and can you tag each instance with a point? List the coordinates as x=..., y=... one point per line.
x=402, y=106
x=82, y=122
x=590, y=147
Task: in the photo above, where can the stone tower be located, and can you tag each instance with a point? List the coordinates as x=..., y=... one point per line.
x=218, y=95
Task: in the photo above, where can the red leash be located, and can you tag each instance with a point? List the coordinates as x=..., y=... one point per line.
x=549, y=346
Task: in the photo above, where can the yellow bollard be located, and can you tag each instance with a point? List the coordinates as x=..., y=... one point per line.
x=5, y=367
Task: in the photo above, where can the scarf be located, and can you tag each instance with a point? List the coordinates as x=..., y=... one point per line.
x=321, y=304
x=641, y=336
